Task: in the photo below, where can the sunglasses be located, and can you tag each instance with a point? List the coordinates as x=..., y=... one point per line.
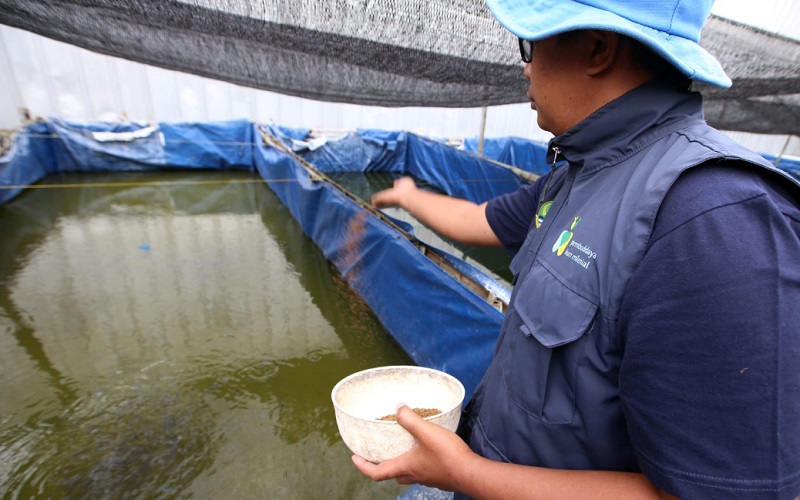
x=526, y=50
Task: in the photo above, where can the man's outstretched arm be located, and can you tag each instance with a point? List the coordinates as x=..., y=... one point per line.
x=458, y=219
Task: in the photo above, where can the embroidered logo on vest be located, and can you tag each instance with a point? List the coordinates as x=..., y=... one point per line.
x=542, y=213
x=578, y=253
x=566, y=236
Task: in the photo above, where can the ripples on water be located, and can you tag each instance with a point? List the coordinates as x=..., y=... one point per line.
x=120, y=441
x=174, y=340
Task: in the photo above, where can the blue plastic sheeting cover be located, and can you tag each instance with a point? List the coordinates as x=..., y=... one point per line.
x=64, y=146
x=419, y=492
x=440, y=323
x=84, y=147
x=222, y=145
x=28, y=160
x=457, y=173
x=787, y=164
x=295, y=133
x=522, y=153
x=356, y=152
x=531, y=156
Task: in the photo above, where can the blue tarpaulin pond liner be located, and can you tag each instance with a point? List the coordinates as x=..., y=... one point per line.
x=442, y=311
x=458, y=174
x=521, y=153
x=790, y=164
x=531, y=156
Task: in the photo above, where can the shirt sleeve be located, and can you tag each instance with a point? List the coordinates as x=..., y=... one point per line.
x=710, y=331
x=511, y=215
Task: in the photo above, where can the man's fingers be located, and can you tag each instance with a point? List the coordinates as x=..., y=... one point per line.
x=366, y=467
x=376, y=472
x=377, y=198
x=408, y=419
x=423, y=432
x=362, y=463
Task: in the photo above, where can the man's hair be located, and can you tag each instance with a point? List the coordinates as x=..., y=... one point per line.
x=661, y=69
x=644, y=58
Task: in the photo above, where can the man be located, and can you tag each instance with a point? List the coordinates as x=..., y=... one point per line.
x=652, y=341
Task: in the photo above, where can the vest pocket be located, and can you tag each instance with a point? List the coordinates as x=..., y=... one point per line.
x=544, y=346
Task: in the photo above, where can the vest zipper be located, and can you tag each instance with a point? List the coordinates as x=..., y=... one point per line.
x=556, y=151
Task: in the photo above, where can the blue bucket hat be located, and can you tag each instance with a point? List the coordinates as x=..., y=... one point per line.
x=671, y=28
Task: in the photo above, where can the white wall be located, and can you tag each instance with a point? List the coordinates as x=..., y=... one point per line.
x=775, y=16
x=50, y=78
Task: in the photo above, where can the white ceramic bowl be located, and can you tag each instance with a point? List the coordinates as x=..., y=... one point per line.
x=361, y=399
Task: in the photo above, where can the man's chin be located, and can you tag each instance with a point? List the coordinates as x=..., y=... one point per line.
x=542, y=124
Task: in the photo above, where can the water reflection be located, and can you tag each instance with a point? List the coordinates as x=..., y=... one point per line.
x=174, y=340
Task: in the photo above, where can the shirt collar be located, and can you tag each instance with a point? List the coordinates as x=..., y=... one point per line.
x=626, y=125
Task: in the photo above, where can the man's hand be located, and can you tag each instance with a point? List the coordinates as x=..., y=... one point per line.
x=440, y=459
x=396, y=195
x=458, y=219
x=436, y=460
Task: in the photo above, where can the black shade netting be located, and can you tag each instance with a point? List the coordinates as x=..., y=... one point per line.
x=384, y=52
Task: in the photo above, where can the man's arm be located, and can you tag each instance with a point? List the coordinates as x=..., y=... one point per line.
x=458, y=219
x=440, y=459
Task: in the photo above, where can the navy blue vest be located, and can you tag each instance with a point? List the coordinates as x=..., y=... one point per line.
x=550, y=395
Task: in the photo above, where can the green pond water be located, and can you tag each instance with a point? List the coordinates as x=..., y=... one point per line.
x=174, y=335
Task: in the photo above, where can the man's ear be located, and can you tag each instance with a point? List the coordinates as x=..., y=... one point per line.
x=604, y=51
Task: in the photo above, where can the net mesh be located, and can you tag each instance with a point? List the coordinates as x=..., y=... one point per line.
x=384, y=52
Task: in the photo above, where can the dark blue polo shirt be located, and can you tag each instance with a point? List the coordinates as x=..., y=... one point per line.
x=710, y=331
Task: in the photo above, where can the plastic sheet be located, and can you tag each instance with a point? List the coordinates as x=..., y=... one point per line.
x=59, y=146
x=790, y=164
x=456, y=173
x=28, y=160
x=220, y=145
x=522, y=153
